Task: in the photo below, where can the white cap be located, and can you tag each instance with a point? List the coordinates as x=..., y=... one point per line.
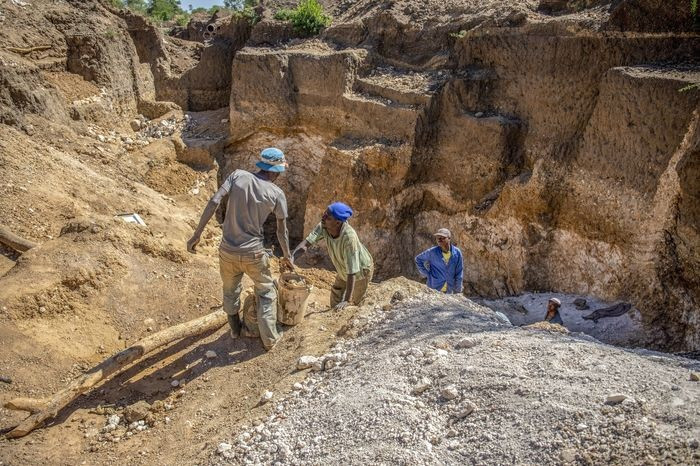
x=443, y=232
x=555, y=301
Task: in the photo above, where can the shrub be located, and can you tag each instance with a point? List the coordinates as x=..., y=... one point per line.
x=307, y=18
x=284, y=14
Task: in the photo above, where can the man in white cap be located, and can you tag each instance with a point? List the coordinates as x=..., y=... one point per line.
x=251, y=198
x=442, y=264
x=552, y=316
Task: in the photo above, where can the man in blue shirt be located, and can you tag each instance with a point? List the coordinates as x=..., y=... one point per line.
x=442, y=264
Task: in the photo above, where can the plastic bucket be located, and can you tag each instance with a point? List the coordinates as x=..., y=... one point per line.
x=294, y=294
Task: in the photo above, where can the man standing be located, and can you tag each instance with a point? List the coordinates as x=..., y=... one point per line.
x=353, y=263
x=442, y=264
x=251, y=198
x=552, y=315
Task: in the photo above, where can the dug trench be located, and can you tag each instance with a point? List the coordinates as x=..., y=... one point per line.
x=555, y=146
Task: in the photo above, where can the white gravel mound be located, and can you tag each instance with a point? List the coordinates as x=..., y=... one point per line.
x=440, y=380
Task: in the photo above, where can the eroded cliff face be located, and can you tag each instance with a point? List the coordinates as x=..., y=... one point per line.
x=562, y=159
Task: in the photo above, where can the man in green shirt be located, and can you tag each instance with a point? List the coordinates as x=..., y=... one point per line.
x=352, y=261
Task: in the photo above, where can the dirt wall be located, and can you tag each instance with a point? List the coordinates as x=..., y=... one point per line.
x=542, y=150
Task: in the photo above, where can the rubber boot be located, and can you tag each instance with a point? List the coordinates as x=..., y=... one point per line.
x=235, y=324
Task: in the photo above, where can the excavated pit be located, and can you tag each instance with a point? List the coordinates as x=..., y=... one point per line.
x=555, y=158
x=549, y=136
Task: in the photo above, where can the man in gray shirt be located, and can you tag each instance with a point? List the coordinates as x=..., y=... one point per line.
x=251, y=198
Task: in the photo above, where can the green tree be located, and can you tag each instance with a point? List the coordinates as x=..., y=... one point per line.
x=239, y=4
x=164, y=10
x=136, y=5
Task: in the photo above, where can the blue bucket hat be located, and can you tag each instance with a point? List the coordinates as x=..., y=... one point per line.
x=340, y=211
x=272, y=160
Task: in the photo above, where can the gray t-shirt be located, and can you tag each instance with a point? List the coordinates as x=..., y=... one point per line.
x=250, y=202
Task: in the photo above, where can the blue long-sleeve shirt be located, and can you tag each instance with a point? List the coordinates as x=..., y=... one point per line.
x=431, y=265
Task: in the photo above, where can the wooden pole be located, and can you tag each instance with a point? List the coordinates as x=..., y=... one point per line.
x=115, y=363
x=33, y=405
x=13, y=241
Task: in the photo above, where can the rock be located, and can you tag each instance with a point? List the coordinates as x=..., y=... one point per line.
x=210, y=354
x=305, y=362
x=149, y=322
x=615, y=399
x=137, y=411
x=422, y=386
x=581, y=427
x=465, y=409
x=466, y=343
x=318, y=365
x=267, y=396
x=397, y=297
x=441, y=352
x=479, y=114
x=114, y=419
x=695, y=377
x=297, y=386
x=449, y=393
x=135, y=124
x=580, y=304
x=174, y=383
x=223, y=448
x=568, y=455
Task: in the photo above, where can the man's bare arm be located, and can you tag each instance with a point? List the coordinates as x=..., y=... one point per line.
x=283, y=239
x=206, y=216
x=301, y=249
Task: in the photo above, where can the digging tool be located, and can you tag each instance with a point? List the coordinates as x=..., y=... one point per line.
x=49, y=408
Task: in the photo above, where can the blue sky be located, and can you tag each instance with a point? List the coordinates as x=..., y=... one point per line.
x=198, y=3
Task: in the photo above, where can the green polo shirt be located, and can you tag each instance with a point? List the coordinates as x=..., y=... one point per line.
x=348, y=255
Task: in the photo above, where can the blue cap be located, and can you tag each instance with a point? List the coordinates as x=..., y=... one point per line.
x=340, y=211
x=272, y=160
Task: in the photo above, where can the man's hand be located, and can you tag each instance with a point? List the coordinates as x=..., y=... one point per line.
x=287, y=264
x=192, y=244
x=341, y=305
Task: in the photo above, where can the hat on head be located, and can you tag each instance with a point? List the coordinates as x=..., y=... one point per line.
x=272, y=160
x=555, y=301
x=443, y=232
x=340, y=211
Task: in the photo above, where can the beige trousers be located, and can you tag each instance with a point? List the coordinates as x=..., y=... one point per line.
x=358, y=293
x=257, y=267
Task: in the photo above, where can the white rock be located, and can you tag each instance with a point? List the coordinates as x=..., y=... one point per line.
x=297, y=386
x=306, y=362
x=581, y=427
x=174, y=383
x=422, y=385
x=615, y=399
x=466, y=343
x=441, y=352
x=267, y=396
x=449, y=393
x=317, y=366
x=465, y=409
x=415, y=352
x=223, y=447
x=210, y=354
x=113, y=419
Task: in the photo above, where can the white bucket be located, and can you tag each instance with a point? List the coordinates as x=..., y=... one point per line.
x=294, y=294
